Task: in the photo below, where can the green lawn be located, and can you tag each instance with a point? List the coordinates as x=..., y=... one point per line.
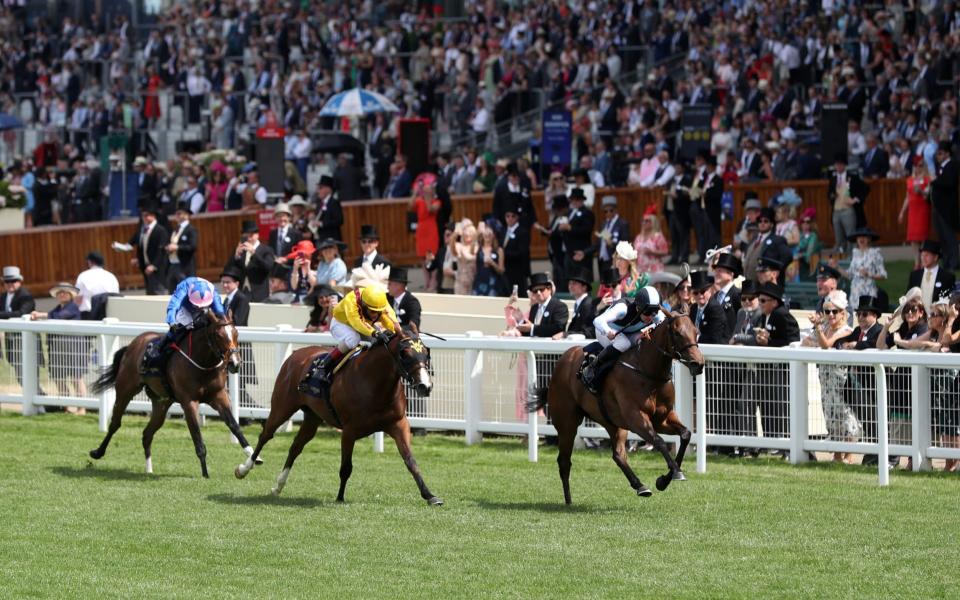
x=754, y=529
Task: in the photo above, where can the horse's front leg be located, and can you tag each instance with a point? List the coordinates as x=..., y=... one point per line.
x=191, y=412
x=618, y=439
x=639, y=423
x=400, y=432
x=221, y=404
x=671, y=425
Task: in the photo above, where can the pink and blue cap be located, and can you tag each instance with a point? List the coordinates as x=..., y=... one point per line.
x=200, y=295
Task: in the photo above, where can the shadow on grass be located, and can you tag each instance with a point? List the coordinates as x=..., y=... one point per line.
x=542, y=507
x=268, y=500
x=872, y=469
x=92, y=471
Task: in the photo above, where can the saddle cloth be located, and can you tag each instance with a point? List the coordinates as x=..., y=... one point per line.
x=346, y=358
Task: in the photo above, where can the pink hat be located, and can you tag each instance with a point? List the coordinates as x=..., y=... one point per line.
x=809, y=213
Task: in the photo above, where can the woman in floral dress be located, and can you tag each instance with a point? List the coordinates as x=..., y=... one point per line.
x=866, y=265
x=650, y=244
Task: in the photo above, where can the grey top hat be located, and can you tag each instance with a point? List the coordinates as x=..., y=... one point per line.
x=12, y=274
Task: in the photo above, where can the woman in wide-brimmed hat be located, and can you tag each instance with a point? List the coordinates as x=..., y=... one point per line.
x=866, y=265
x=67, y=353
x=331, y=269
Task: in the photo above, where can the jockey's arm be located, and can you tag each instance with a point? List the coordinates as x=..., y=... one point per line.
x=176, y=301
x=388, y=319
x=351, y=311
x=217, y=307
x=603, y=322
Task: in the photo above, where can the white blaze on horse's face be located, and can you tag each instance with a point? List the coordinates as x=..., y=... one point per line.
x=234, y=356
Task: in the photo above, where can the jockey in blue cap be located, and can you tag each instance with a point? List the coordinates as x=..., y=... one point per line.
x=190, y=300
x=619, y=328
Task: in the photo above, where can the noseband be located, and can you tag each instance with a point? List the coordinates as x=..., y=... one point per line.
x=210, y=345
x=676, y=352
x=397, y=359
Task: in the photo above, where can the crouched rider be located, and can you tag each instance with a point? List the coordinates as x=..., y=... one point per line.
x=190, y=300
x=363, y=312
x=619, y=328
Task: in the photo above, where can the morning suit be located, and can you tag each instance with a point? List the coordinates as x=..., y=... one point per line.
x=150, y=245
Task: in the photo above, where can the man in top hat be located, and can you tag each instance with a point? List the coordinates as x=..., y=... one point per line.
x=578, y=233
x=711, y=200
x=279, y=283
x=512, y=193
x=847, y=194
x=516, y=250
x=284, y=236
x=151, y=241
x=237, y=306
x=93, y=282
x=559, y=214
x=777, y=329
x=329, y=217
x=748, y=317
x=751, y=212
x=347, y=178
x=584, y=312
x=677, y=211
x=148, y=184
x=943, y=197
x=707, y=314
x=864, y=335
x=254, y=261
x=934, y=281
x=779, y=326
x=827, y=281
x=548, y=315
x=615, y=228
x=726, y=268
x=404, y=303
x=766, y=243
x=183, y=244
x=15, y=301
x=369, y=243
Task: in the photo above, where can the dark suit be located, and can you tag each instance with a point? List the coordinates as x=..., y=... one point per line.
x=943, y=196
x=503, y=199
x=21, y=304
x=255, y=274
x=730, y=306
x=329, y=219
x=553, y=321
x=858, y=189
x=377, y=260
x=773, y=379
x=580, y=237
x=876, y=162
x=866, y=342
x=859, y=390
x=147, y=188
x=283, y=247
x=711, y=322
x=156, y=255
x=583, y=315
x=942, y=284
x=408, y=311
x=186, y=248
x=516, y=258
x=238, y=311
x=619, y=231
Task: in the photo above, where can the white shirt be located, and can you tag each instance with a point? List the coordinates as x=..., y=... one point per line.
x=302, y=148
x=666, y=176
x=368, y=258
x=93, y=281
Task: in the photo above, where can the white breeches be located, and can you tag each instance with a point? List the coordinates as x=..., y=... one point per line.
x=621, y=342
x=347, y=336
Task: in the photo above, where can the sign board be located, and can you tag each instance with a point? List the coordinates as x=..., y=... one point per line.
x=695, y=122
x=265, y=222
x=557, y=144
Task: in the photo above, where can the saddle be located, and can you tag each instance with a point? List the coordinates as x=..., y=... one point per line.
x=313, y=385
x=152, y=366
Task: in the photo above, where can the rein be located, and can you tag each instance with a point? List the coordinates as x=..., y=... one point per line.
x=187, y=354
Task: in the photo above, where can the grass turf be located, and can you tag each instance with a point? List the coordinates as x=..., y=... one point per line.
x=752, y=529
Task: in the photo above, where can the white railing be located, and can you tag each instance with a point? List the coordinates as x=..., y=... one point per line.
x=748, y=397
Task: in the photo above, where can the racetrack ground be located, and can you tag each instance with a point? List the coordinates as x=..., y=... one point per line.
x=745, y=529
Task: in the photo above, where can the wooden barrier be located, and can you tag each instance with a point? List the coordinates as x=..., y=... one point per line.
x=47, y=255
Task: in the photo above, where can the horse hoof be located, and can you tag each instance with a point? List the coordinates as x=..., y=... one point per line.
x=644, y=491
x=434, y=501
x=239, y=474
x=96, y=454
x=276, y=491
x=662, y=482
x=258, y=461
x=679, y=476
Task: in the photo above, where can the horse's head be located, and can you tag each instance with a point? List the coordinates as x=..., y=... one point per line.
x=222, y=336
x=681, y=341
x=413, y=359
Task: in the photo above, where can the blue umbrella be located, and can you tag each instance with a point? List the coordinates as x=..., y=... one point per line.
x=357, y=102
x=9, y=122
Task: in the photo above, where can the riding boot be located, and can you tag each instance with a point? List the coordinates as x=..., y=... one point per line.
x=605, y=361
x=153, y=360
x=320, y=375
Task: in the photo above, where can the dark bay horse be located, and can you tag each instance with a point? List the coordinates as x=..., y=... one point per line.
x=637, y=395
x=366, y=396
x=196, y=372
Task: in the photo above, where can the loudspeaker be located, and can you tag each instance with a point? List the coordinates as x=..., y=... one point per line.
x=413, y=141
x=833, y=131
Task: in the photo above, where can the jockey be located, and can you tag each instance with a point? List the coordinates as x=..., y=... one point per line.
x=364, y=311
x=192, y=296
x=619, y=328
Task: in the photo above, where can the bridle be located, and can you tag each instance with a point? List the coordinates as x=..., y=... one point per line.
x=676, y=351
x=402, y=339
x=210, y=346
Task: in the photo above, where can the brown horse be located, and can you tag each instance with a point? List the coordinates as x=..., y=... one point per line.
x=366, y=396
x=637, y=395
x=196, y=372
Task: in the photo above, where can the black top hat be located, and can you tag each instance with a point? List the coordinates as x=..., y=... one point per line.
x=233, y=273
x=729, y=262
x=870, y=303
x=766, y=263
x=700, y=280
x=581, y=173
x=863, y=232
x=330, y=242
x=369, y=232
x=825, y=271
x=582, y=275
x=540, y=280
x=840, y=157
x=560, y=202
x=750, y=195
x=184, y=207
x=326, y=180
x=95, y=257
x=576, y=194
x=748, y=288
x=151, y=209
x=398, y=274
x=945, y=147
x=610, y=277
x=931, y=246
x=704, y=153
x=280, y=271
x=249, y=226
x=770, y=289
x=767, y=213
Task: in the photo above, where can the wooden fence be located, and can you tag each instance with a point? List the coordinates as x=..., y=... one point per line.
x=51, y=254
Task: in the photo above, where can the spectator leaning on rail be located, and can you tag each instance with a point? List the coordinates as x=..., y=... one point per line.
x=188, y=302
x=778, y=329
x=934, y=281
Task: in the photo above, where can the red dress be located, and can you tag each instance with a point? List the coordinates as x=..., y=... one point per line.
x=151, y=105
x=427, y=237
x=918, y=209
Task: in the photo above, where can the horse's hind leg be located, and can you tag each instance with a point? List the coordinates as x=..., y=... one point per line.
x=566, y=417
x=308, y=429
x=347, y=442
x=157, y=418
x=191, y=414
x=123, y=397
x=400, y=433
x=277, y=417
x=672, y=426
x=618, y=437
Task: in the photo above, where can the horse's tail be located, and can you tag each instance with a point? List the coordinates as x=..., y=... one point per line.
x=108, y=375
x=539, y=400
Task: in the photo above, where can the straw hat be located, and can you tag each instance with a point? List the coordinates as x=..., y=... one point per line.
x=64, y=287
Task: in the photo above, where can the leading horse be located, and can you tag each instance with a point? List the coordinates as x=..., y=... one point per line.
x=637, y=395
x=194, y=374
x=366, y=396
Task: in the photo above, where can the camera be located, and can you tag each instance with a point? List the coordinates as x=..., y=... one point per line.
x=244, y=238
